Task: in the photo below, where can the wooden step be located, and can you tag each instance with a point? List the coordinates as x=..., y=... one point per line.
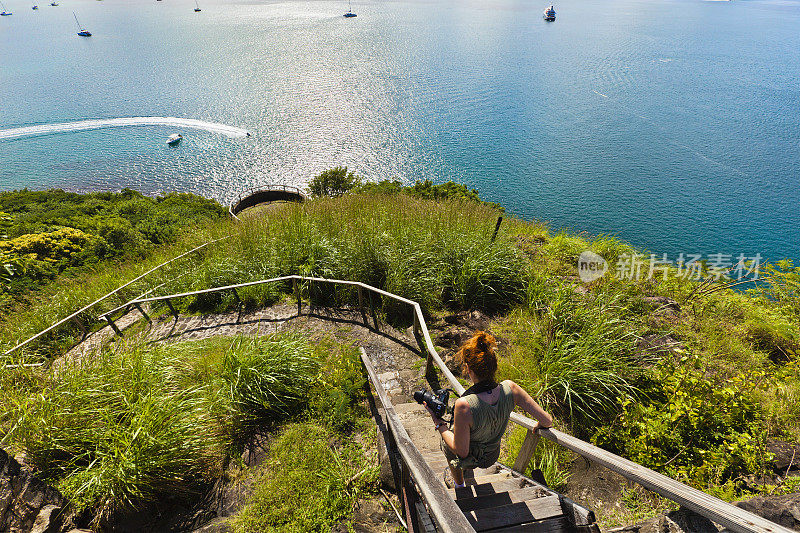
x=482, y=489
x=550, y=525
x=501, y=498
x=515, y=513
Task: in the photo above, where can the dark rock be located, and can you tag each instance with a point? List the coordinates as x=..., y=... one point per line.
x=783, y=510
x=48, y=520
x=663, y=305
x=26, y=501
x=659, y=345
x=596, y=487
x=219, y=525
x=787, y=457
x=680, y=521
x=256, y=450
x=473, y=320
x=686, y=521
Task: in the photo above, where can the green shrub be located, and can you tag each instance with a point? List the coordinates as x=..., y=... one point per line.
x=334, y=398
x=703, y=431
x=266, y=380
x=115, y=429
x=309, y=483
x=333, y=182
x=52, y=231
x=575, y=354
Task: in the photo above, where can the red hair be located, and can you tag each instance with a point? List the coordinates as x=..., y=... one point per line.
x=478, y=354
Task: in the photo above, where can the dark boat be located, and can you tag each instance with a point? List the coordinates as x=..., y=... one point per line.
x=197, y=7
x=549, y=14
x=349, y=13
x=81, y=31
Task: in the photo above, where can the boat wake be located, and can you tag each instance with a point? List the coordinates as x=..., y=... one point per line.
x=82, y=125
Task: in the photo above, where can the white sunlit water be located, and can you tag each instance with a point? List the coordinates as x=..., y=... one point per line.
x=673, y=124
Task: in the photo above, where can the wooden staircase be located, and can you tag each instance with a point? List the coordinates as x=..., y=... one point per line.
x=495, y=498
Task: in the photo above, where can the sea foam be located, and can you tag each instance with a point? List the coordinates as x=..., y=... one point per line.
x=81, y=125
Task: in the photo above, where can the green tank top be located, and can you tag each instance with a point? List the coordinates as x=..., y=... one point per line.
x=488, y=425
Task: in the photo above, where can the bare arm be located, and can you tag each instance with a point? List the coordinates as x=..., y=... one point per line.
x=529, y=405
x=457, y=439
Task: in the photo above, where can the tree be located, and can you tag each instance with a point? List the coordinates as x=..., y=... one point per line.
x=333, y=182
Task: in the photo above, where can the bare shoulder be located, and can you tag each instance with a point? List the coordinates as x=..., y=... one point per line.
x=516, y=389
x=461, y=405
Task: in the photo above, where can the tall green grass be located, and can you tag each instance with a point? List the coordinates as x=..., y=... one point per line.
x=575, y=353
x=307, y=484
x=437, y=253
x=135, y=422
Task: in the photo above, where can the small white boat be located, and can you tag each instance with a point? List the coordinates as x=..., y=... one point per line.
x=174, y=139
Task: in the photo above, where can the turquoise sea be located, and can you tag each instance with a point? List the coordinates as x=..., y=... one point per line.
x=674, y=124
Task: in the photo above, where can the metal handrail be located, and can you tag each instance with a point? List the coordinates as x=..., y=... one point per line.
x=721, y=512
x=89, y=306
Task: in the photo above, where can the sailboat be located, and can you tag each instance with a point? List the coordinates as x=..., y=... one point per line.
x=35, y=7
x=82, y=32
x=54, y=3
x=4, y=13
x=349, y=10
x=197, y=8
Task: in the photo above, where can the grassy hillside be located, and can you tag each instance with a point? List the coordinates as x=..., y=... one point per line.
x=693, y=386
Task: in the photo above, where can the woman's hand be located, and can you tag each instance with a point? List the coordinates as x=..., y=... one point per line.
x=436, y=419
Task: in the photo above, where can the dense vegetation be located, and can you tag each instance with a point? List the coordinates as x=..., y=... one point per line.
x=44, y=233
x=136, y=423
x=699, y=406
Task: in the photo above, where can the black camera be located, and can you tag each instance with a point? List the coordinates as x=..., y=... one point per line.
x=436, y=400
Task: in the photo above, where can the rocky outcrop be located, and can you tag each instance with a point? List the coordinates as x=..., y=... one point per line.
x=786, y=458
x=28, y=504
x=657, y=345
x=783, y=510
x=662, y=305
x=680, y=521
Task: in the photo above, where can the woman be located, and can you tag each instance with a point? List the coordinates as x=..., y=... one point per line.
x=481, y=415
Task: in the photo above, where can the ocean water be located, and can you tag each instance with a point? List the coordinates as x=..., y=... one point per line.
x=673, y=124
